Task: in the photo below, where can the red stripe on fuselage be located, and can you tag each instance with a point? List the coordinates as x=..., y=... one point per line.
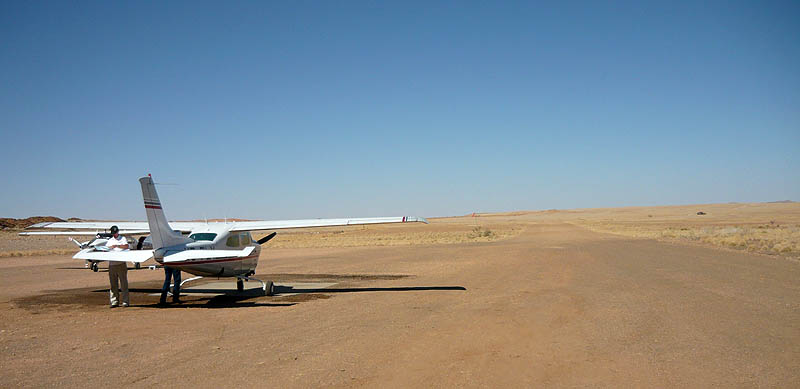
x=152, y=207
x=189, y=263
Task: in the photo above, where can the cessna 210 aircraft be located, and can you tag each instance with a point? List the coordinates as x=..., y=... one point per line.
x=209, y=250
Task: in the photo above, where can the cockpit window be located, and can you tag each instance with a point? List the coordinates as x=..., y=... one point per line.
x=233, y=241
x=203, y=236
x=246, y=238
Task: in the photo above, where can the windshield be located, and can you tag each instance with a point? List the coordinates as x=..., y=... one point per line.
x=203, y=236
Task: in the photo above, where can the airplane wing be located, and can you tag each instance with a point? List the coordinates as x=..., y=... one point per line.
x=91, y=228
x=86, y=232
x=137, y=256
x=280, y=224
x=134, y=228
x=106, y=225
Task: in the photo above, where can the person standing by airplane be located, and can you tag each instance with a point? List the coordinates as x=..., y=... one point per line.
x=175, y=274
x=118, y=270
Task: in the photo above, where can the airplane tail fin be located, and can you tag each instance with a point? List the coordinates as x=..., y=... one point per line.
x=160, y=232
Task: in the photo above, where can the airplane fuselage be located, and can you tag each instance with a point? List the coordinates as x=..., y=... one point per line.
x=206, y=246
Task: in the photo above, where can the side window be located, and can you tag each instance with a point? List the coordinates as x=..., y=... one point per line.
x=203, y=236
x=245, y=238
x=233, y=241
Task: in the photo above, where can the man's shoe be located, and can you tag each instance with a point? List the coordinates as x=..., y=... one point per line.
x=177, y=301
x=125, y=305
x=114, y=305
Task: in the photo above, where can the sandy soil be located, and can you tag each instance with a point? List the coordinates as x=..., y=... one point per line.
x=555, y=305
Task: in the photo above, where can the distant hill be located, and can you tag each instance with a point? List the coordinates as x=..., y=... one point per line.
x=7, y=223
x=780, y=202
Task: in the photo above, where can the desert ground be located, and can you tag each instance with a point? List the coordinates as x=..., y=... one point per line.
x=638, y=296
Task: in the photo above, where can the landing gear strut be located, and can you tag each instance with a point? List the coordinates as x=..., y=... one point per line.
x=268, y=287
x=190, y=279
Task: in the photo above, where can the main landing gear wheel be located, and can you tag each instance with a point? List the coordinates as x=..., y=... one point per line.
x=94, y=267
x=267, y=287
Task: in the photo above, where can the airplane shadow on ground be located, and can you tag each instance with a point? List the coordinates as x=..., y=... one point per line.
x=231, y=298
x=288, y=289
x=225, y=298
x=221, y=301
x=101, y=270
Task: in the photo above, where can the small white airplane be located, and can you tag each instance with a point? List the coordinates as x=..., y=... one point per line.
x=209, y=250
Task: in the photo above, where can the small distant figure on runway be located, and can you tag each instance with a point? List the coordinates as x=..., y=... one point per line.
x=118, y=271
x=175, y=275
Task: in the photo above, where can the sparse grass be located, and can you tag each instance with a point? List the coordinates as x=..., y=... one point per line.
x=391, y=237
x=31, y=253
x=766, y=238
x=14, y=245
x=479, y=232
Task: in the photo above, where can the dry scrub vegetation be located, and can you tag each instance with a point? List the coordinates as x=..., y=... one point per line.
x=389, y=236
x=14, y=245
x=767, y=228
x=33, y=253
x=761, y=238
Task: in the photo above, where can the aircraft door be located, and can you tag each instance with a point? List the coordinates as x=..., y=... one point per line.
x=244, y=240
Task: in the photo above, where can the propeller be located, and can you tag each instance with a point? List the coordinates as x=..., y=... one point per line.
x=267, y=238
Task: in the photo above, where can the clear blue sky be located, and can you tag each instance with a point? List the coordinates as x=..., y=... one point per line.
x=280, y=110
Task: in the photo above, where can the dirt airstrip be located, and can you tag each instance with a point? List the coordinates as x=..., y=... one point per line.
x=550, y=303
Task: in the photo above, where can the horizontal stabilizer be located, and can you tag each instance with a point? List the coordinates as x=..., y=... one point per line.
x=137, y=256
x=205, y=255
